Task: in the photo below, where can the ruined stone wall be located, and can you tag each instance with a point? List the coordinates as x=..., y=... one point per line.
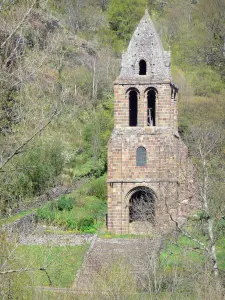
x=24, y=226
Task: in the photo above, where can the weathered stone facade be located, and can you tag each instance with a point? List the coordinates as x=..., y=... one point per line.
x=145, y=116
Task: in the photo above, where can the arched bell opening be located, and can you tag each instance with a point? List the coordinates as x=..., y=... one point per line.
x=151, y=110
x=133, y=108
x=142, y=205
x=142, y=67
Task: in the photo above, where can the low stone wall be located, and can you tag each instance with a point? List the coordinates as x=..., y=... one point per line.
x=55, y=239
x=24, y=226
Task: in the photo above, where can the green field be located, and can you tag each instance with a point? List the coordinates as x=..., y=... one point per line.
x=61, y=264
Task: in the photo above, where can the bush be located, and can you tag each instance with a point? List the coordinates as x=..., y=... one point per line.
x=65, y=203
x=44, y=162
x=98, y=188
x=71, y=223
x=96, y=207
x=85, y=223
x=46, y=212
x=68, y=213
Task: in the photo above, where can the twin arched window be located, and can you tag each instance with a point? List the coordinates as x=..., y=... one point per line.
x=151, y=108
x=140, y=157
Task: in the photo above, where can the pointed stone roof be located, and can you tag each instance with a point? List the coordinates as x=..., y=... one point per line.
x=145, y=44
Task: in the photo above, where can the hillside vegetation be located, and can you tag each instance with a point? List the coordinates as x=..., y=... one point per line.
x=58, y=61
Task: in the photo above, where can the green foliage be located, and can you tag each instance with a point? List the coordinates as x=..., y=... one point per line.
x=85, y=224
x=205, y=81
x=33, y=173
x=85, y=214
x=97, y=131
x=98, y=188
x=89, y=168
x=92, y=159
x=179, y=251
x=43, y=164
x=65, y=203
x=123, y=16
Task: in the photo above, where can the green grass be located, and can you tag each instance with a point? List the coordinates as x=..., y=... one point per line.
x=186, y=251
x=221, y=253
x=61, y=263
x=8, y=220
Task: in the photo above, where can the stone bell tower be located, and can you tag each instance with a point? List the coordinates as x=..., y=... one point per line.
x=147, y=161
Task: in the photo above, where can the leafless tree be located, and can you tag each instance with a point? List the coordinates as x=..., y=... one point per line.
x=205, y=144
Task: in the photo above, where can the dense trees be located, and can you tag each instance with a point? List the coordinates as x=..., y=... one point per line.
x=123, y=17
x=48, y=78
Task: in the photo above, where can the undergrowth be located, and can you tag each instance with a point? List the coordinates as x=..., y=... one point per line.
x=82, y=211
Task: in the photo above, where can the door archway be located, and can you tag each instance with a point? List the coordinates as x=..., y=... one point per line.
x=142, y=205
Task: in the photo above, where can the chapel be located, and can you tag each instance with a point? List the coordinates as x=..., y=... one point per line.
x=149, y=177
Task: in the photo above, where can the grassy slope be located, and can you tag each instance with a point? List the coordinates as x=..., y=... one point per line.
x=61, y=263
x=184, y=251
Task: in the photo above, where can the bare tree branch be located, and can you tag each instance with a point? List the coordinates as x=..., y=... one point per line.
x=18, y=149
x=19, y=24
x=27, y=270
x=184, y=232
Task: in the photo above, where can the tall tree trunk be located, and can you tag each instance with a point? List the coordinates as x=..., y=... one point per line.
x=209, y=219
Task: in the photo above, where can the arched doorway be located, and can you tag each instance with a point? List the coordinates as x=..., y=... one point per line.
x=142, y=205
x=151, y=113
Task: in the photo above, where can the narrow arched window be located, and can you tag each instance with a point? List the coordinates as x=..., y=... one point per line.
x=133, y=108
x=142, y=67
x=141, y=156
x=151, y=108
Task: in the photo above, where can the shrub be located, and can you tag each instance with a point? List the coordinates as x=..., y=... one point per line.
x=96, y=207
x=68, y=213
x=43, y=164
x=71, y=223
x=46, y=212
x=98, y=188
x=65, y=203
x=85, y=223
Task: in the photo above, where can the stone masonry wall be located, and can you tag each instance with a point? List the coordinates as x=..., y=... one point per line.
x=166, y=115
x=24, y=226
x=165, y=173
